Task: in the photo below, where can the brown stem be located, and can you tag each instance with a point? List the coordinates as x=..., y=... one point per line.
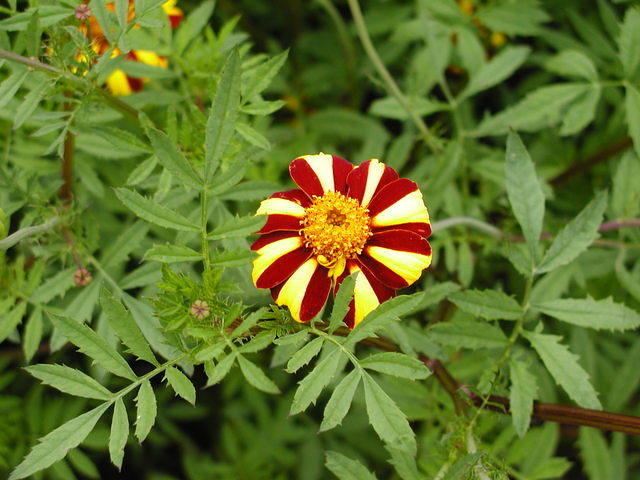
x=590, y=162
x=616, y=225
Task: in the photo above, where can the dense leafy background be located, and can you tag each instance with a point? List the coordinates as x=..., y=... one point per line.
x=526, y=298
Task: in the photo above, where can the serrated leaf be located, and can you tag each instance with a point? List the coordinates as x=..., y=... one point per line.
x=305, y=355
x=576, y=236
x=468, y=334
x=632, y=106
x=193, y=24
x=122, y=322
x=252, y=136
x=340, y=401
x=94, y=346
x=387, y=419
x=581, y=112
x=142, y=171
x=256, y=80
x=10, y=86
x=523, y=392
x=30, y=103
x=311, y=386
x=172, y=254
x=625, y=194
x=249, y=322
x=173, y=160
x=564, y=368
x=223, y=114
x=232, y=258
x=346, y=469
x=587, y=312
x=32, y=334
x=523, y=190
x=629, y=42
x=146, y=410
x=463, y=466
x=489, y=304
x=497, y=69
x=153, y=212
x=221, y=369
x=383, y=315
x=342, y=302
x=55, y=445
x=9, y=321
x=396, y=364
x=237, y=227
x=54, y=286
x=119, y=433
x=69, y=380
x=256, y=377
x=595, y=454
x=181, y=384
x=572, y=63
x=226, y=179
x=259, y=342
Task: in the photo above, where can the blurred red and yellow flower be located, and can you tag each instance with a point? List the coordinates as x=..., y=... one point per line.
x=118, y=82
x=343, y=219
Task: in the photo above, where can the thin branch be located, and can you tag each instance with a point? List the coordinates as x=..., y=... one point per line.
x=599, y=157
x=391, y=84
x=23, y=233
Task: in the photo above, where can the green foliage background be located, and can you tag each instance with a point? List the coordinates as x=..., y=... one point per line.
x=520, y=121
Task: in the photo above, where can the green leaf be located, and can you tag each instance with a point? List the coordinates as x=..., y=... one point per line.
x=262, y=107
x=237, y=227
x=256, y=80
x=626, y=381
x=10, y=86
x=259, y=342
x=172, y=159
x=305, y=355
x=31, y=101
x=54, y=286
x=191, y=27
x=625, y=194
x=632, y=105
x=232, y=258
x=146, y=410
x=69, y=380
x=468, y=334
x=572, y=63
x=346, y=469
x=55, y=445
x=228, y=178
x=250, y=190
x=523, y=17
x=121, y=139
x=497, y=69
x=523, y=392
x=256, y=377
x=581, y=112
x=32, y=334
x=340, y=401
x=381, y=317
x=341, y=302
x=252, y=136
x=595, y=453
x=153, y=212
x=489, y=304
x=121, y=321
x=397, y=364
x=463, y=466
x=523, y=190
x=221, y=369
x=9, y=321
x=387, y=419
x=629, y=43
x=565, y=369
x=576, y=236
x=249, y=322
x=172, y=254
x=223, y=114
x=94, y=346
x=119, y=433
x=587, y=312
x=311, y=386
x=142, y=171
x=181, y=384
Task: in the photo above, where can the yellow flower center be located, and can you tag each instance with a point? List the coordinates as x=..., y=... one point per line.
x=336, y=228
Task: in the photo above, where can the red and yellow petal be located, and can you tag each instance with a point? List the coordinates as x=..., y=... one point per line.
x=280, y=254
x=368, y=293
x=317, y=174
x=283, y=216
x=118, y=84
x=400, y=205
x=367, y=179
x=396, y=257
x=174, y=13
x=305, y=292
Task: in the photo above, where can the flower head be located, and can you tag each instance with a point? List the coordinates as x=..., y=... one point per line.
x=82, y=277
x=342, y=220
x=199, y=309
x=82, y=12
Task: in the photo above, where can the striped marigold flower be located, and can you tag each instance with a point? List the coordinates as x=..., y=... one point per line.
x=343, y=219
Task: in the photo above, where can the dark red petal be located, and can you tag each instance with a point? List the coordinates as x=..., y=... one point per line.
x=295, y=195
x=390, y=194
x=423, y=229
x=283, y=268
x=279, y=222
x=268, y=238
x=357, y=180
x=383, y=293
x=306, y=177
x=316, y=294
x=341, y=171
x=383, y=273
x=402, y=240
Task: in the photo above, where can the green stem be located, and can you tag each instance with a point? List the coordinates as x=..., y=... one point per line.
x=391, y=84
x=147, y=376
